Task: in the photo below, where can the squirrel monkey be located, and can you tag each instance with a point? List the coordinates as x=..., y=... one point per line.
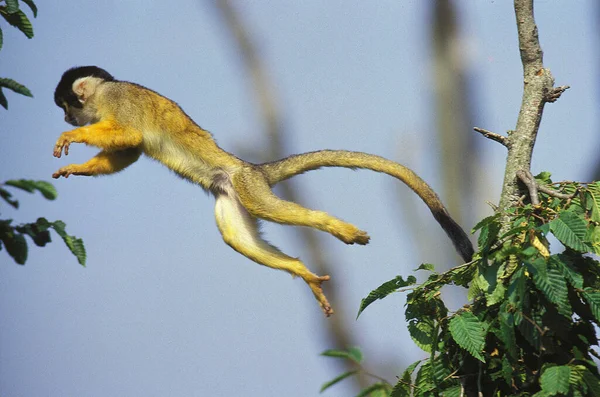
x=125, y=120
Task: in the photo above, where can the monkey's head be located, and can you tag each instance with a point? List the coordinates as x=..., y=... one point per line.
x=75, y=87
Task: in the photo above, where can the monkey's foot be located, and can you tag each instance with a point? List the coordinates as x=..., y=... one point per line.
x=350, y=234
x=314, y=282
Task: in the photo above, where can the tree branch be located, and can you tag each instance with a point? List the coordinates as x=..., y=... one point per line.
x=538, y=83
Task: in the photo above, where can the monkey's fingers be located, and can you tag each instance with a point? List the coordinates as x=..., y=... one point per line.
x=315, y=285
x=64, y=171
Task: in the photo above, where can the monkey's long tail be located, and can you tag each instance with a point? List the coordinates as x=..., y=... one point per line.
x=280, y=170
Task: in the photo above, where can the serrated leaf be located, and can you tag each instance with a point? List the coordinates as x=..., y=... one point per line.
x=16, y=87
x=551, y=282
x=21, y=22
x=353, y=354
x=424, y=382
x=374, y=387
x=16, y=246
x=74, y=244
x=337, y=379
x=421, y=333
x=469, y=333
x=31, y=5
x=45, y=188
x=570, y=230
x=384, y=290
x=571, y=275
x=8, y=198
x=555, y=380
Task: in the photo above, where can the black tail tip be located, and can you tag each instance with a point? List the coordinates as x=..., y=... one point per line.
x=459, y=237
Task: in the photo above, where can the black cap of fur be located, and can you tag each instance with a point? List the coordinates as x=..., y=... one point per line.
x=64, y=89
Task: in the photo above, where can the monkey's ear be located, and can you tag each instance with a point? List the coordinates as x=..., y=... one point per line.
x=85, y=87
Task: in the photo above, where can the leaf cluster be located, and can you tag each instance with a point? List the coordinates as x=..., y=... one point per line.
x=12, y=238
x=12, y=13
x=531, y=325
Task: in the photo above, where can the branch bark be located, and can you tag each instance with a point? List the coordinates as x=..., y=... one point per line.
x=538, y=87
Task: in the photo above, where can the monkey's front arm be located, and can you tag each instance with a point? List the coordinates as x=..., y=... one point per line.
x=108, y=135
x=102, y=164
x=121, y=148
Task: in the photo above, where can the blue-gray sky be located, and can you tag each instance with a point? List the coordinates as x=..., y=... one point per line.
x=164, y=307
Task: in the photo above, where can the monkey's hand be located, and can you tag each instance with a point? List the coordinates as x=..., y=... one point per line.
x=72, y=169
x=63, y=141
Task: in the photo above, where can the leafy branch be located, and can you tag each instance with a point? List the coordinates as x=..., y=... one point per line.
x=12, y=237
x=11, y=12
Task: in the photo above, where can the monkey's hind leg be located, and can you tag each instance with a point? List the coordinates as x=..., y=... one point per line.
x=240, y=231
x=256, y=196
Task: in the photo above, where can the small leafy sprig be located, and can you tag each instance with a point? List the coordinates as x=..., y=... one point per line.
x=12, y=238
x=11, y=12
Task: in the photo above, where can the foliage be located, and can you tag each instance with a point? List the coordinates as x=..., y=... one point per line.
x=11, y=12
x=530, y=328
x=12, y=238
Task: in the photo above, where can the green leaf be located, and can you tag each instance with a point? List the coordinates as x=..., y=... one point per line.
x=73, y=243
x=8, y=198
x=1, y=39
x=592, y=297
x=592, y=382
x=31, y=5
x=16, y=87
x=424, y=381
x=374, y=387
x=570, y=230
x=3, y=100
x=353, y=354
x=45, y=188
x=571, y=275
x=403, y=387
x=426, y=266
x=507, y=332
x=551, y=282
x=555, y=380
x=422, y=333
x=337, y=379
x=469, y=333
x=452, y=391
x=12, y=6
x=16, y=246
x=384, y=290
x=21, y=22
x=38, y=231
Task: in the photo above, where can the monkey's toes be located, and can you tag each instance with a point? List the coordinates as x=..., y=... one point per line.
x=315, y=286
x=362, y=238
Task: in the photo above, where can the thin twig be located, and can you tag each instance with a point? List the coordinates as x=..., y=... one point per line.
x=493, y=136
x=526, y=177
x=555, y=93
x=554, y=193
